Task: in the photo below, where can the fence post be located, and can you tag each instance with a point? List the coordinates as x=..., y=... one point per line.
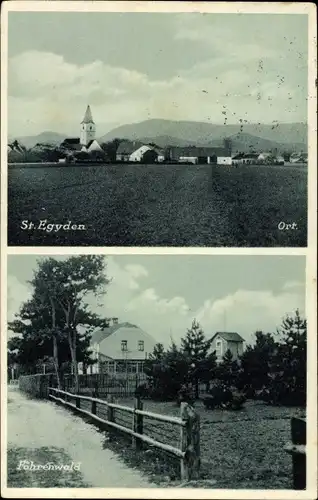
x=137, y=424
x=189, y=443
x=110, y=410
x=298, y=451
x=93, y=410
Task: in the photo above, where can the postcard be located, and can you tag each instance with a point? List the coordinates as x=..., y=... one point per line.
x=158, y=254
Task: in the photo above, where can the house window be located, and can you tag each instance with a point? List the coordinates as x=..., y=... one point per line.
x=132, y=367
x=111, y=367
x=218, y=347
x=124, y=345
x=140, y=366
x=141, y=345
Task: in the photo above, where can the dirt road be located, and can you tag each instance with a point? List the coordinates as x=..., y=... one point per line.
x=45, y=435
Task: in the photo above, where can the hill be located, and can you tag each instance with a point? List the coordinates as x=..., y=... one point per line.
x=45, y=137
x=202, y=132
x=284, y=136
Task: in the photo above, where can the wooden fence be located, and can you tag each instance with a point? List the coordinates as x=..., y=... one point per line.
x=187, y=426
x=297, y=449
x=119, y=385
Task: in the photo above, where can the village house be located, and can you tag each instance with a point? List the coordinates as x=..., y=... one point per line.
x=200, y=155
x=298, y=158
x=245, y=158
x=271, y=158
x=227, y=341
x=15, y=152
x=135, y=151
x=126, y=149
x=120, y=348
x=144, y=154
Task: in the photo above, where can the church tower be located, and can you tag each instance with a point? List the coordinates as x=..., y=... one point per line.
x=88, y=128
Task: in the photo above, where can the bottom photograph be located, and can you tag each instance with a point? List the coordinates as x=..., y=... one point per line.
x=147, y=371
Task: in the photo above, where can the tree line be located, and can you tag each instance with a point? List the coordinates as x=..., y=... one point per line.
x=273, y=368
x=47, y=152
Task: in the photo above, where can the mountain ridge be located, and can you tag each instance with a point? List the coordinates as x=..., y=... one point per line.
x=285, y=136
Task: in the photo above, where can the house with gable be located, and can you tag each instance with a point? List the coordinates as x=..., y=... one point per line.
x=126, y=149
x=120, y=348
x=227, y=341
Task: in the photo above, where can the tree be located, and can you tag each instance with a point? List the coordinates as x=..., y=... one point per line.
x=167, y=371
x=288, y=371
x=196, y=347
x=49, y=323
x=228, y=370
x=65, y=284
x=255, y=363
x=110, y=148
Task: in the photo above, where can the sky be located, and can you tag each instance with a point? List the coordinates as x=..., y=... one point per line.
x=162, y=294
x=133, y=66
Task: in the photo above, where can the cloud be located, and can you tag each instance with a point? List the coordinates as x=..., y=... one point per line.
x=48, y=93
x=247, y=311
x=293, y=284
x=243, y=311
x=131, y=297
x=17, y=293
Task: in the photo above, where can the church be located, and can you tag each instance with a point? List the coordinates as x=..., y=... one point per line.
x=86, y=143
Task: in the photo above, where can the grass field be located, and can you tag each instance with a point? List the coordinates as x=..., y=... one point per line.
x=159, y=205
x=241, y=449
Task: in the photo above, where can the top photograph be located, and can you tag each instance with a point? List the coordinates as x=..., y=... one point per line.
x=150, y=129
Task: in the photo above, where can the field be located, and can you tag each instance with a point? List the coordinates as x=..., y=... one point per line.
x=159, y=205
x=241, y=449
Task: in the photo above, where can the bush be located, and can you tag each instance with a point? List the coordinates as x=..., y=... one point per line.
x=224, y=396
x=185, y=395
x=281, y=394
x=142, y=391
x=156, y=393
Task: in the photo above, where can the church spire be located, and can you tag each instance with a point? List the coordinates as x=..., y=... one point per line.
x=88, y=128
x=88, y=116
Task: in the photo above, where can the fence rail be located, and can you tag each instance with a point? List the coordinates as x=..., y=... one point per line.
x=119, y=384
x=188, y=424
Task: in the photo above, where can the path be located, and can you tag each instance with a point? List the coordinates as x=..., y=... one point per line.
x=43, y=432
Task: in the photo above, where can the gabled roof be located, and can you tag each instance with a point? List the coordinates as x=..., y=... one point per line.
x=88, y=118
x=100, y=335
x=71, y=141
x=143, y=149
x=128, y=147
x=229, y=336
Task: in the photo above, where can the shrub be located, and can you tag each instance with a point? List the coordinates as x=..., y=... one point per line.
x=142, y=391
x=224, y=396
x=185, y=395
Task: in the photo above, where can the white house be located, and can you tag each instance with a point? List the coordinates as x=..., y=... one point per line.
x=223, y=160
x=200, y=155
x=188, y=159
x=120, y=348
x=224, y=341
